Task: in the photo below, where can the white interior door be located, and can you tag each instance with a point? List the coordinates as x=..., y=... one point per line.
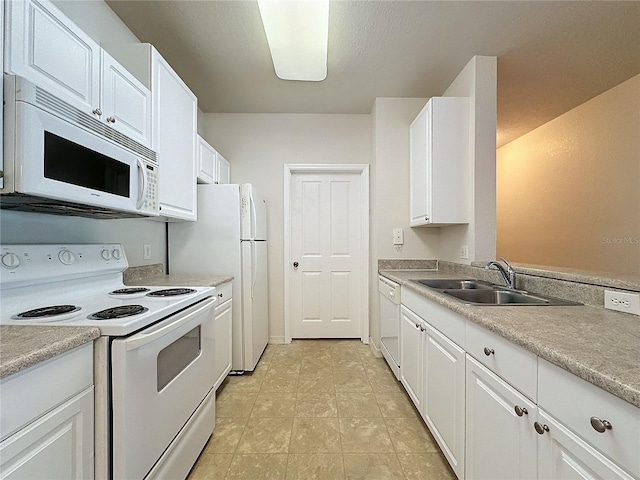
x=326, y=274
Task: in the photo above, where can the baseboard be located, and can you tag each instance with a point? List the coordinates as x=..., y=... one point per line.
x=278, y=340
x=374, y=349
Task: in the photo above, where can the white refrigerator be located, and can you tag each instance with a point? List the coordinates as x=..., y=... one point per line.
x=230, y=238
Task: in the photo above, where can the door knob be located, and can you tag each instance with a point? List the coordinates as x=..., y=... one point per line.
x=295, y=264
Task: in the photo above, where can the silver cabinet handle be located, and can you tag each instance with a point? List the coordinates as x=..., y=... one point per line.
x=111, y=119
x=417, y=325
x=422, y=329
x=540, y=428
x=488, y=351
x=521, y=410
x=97, y=111
x=599, y=425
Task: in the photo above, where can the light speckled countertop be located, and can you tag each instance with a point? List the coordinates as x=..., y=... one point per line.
x=595, y=344
x=24, y=346
x=184, y=280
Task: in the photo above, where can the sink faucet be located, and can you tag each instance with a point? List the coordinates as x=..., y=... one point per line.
x=509, y=274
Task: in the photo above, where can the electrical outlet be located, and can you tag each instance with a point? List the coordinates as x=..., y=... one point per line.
x=398, y=236
x=146, y=251
x=622, y=302
x=464, y=252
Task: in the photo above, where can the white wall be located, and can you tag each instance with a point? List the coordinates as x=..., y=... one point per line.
x=478, y=81
x=102, y=24
x=259, y=145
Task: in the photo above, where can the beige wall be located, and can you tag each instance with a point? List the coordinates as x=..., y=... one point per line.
x=259, y=145
x=569, y=192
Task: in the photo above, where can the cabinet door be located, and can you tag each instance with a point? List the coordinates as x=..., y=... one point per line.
x=443, y=397
x=126, y=103
x=419, y=158
x=563, y=455
x=58, y=445
x=223, y=169
x=45, y=47
x=222, y=336
x=410, y=355
x=500, y=443
x=206, y=162
x=174, y=139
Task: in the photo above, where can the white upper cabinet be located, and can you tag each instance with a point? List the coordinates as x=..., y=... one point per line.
x=44, y=46
x=223, y=169
x=174, y=135
x=48, y=49
x=125, y=102
x=439, y=157
x=206, y=162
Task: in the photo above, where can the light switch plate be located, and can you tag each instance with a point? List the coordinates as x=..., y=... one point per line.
x=146, y=251
x=398, y=236
x=464, y=252
x=622, y=301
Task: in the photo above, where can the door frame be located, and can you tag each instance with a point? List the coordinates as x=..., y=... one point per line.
x=363, y=171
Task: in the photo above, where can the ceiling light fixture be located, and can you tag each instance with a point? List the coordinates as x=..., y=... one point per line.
x=298, y=36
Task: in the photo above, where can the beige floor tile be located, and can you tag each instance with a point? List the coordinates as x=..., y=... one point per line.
x=410, y=436
x=235, y=404
x=421, y=466
x=384, y=383
x=211, y=466
x=316, y=466
x=265, y=435
x=284, y=368
x=361, y=404
x=315, y=435
x=317, y=361
x=280, y=382
x=316, y=382
x=226, y=435
x=351, y=364
x=364, y=435
x=396, y=404
x=348, y=381
x=316, y=405
x=243, y=383
x=261, y=369
x=372, y=466
x=267, y=466
x=274, y=404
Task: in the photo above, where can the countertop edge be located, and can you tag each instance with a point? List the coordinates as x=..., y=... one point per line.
x=42, y=351
x=479, y=314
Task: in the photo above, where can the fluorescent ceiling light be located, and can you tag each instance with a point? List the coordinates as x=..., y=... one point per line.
x=297, y=32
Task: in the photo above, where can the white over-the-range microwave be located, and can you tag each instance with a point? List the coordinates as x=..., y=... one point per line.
x=60, y=160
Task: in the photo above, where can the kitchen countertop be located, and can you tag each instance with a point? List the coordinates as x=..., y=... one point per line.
x=185, y=280
x=598, y=345
x=23, y=346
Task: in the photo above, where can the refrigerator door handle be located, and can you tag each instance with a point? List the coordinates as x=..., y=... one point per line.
x=254, y=267
x=253, y=217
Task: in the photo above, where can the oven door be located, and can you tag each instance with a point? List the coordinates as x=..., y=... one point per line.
x=159, y=377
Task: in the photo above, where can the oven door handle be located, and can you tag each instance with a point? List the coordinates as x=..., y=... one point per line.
x=151, y=335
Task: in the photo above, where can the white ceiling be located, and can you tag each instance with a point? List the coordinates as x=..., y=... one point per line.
x=552, y=55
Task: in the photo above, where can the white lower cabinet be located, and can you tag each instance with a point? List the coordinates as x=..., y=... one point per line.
x=223, y=316
x=564, y=455
x=410, y=358
x=443, y=404
x=58, y=445
x=501, y=442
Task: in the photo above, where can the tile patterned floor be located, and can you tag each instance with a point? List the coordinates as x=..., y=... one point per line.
x=319, y=409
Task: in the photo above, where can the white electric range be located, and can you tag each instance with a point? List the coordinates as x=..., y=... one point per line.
x=153, y=364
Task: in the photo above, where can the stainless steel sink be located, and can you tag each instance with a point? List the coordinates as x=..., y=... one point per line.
x=455, y=284
x=504, y=297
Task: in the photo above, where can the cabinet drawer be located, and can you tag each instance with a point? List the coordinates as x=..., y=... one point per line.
x=511, y=362
x=223, y=292
x=575, y=401
x=28, y=394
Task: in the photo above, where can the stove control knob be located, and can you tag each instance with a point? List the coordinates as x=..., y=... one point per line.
x=66, y=257
x=117, y=254
x=10, y=261
x=106, y=254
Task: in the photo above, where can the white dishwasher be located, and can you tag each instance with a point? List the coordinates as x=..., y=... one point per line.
x=390, y=322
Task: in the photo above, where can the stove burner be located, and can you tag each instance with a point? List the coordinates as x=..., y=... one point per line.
x=118, y=312
x=171, y=292
x=48, y=311
x=129, y=291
